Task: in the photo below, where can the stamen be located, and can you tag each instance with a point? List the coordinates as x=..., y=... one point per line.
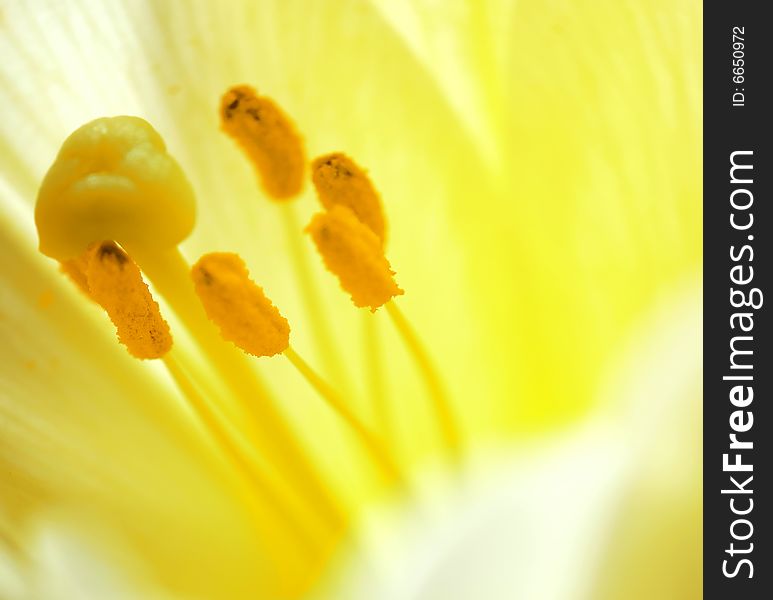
x=266, y=426
x=449, y=429
x=377, y=382
x=233, y=445
x=247, y=318
x=268, y=138
x=239, y=307
x=285, y=522
x=372, y=444
x=321, y=327
x=75, y=269
x=340, y=181
x=115, y=282
x=113, y=180
x=354, y=254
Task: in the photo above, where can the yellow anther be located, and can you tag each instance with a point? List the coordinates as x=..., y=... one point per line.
x=237, y=306
x=268, y=137
x=339, y=180
x=113, y=179
x=115, y=282
x=75, y=269
x=354, y=254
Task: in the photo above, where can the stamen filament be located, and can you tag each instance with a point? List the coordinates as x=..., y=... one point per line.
x=326, y=347
x=170, y=274
x=374, y=446
x=440, y=401
x=375, y=376
x=287, y=525
x=236, y=451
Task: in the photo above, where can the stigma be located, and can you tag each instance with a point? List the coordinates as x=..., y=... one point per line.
x=113, y=180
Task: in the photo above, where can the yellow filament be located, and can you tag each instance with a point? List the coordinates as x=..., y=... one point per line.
x=239, y=307
x=268, y=138
x=170, y=273
x=276, y=514
x=354, y=254
x=230, y=443
x=340, y=181
x=372, y=444
x=440, y=401
x=324, y=340
x=375, y=376
x=115, y=282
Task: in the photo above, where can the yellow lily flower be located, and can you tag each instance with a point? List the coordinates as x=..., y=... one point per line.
x=538, y=164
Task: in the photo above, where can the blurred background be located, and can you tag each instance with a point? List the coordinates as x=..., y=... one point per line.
x=539, y=164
